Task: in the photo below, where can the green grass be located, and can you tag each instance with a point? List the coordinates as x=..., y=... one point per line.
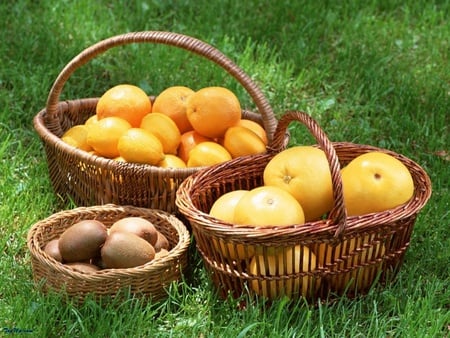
x=372, y=72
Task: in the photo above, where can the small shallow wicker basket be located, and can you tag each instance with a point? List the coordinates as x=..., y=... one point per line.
x=341, y=255
x=149, y=280
x=87, y=179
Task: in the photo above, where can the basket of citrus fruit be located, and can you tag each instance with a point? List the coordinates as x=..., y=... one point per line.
x=109, y=250
x=130, y=147
x=312, y=221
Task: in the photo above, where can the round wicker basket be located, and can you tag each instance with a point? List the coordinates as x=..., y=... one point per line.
x=149, y=280
x=344, y=255
x=87, y=179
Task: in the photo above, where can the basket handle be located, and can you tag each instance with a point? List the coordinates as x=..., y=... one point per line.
x=173, y=39
x=339, y=213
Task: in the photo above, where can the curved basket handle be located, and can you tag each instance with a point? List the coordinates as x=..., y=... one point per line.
x=173, y=39
x=339, y=213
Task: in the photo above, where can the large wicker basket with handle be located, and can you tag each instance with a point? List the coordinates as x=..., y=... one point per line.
x=150, y=280
x=87, y=179
x=341, y=255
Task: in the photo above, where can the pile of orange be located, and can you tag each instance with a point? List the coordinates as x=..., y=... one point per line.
x=180, y=128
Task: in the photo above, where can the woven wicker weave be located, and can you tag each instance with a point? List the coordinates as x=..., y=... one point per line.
x=91, y=180
x=380, y=240
x=149, y=280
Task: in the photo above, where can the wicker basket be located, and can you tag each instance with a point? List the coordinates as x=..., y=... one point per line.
x=369, y=247
x=87, y=179
x=149, y=280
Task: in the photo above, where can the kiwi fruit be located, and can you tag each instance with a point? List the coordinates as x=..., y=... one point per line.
x=52, y=249
x=82, y=241
x=83, y=267
x=161, y=242
x=126, y=250
x=138, y=226
x=98, y=261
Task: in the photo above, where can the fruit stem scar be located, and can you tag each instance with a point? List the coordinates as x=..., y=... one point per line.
x=377, y=176
x=287, y=179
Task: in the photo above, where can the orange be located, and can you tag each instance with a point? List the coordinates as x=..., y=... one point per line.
x=282, y=263
x=233, y=251
x=172, y=102
x=104, y=135
x=91, y=120
x=268, y=206
x=206, y=154
x=223, y=209
x=241, y=141
x=212, y=110
x=345, y=255
x=303, y=171
x=140, y=146
x=172, y=161
x=76, y=136
x=375, y=182
x=126, y=101
x=165, y=129
x=254, y=127
x=188, y=141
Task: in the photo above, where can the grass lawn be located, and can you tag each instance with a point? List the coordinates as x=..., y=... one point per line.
x=371, y=72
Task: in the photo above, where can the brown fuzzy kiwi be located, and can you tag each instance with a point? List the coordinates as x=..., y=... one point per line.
x=82, y=241
x=126, y=250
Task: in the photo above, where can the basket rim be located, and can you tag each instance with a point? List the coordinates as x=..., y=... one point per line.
x=155, y=265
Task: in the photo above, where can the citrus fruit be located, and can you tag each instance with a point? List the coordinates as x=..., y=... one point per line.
x=76, y=136
x=140, y=146
x=268, y=206
x=188, y=141
x=233, y=251
x=172, y=161
x=223, y=209
x=241, y=141
x=254, y=127
x=285, y=262
x=165, y=129
x=374, y=182
x=104, y=135
x=206, y=154
x=345, y=256
x=212, y=110
x=172, y=102
x=91, y=120
x=303, y=171
x=126, y=101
